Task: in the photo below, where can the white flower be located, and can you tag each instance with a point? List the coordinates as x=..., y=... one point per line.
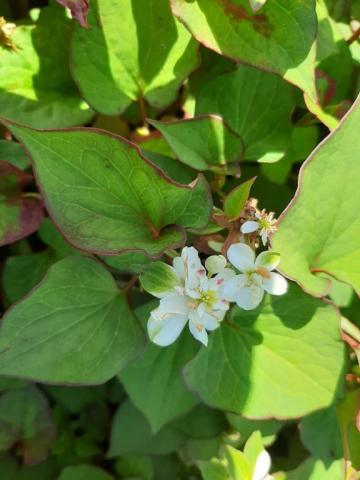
x=265, y=223
x=262, y=467
x=195, y=299
x=247, y=289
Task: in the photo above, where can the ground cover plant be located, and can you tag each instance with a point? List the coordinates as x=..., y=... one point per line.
x=179, y=240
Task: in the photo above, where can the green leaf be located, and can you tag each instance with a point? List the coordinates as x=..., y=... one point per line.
x=245, y=426
x=239, y=467
x=134, y=49
x=13, y=153
x=256, y=105
x=76, y=399
x=320, y=433
x=154, y=382
x=203, y=143
x=138, y=438
x=278, y=39
x=249, y=360
x=134, y=262
x=348, y=414
x=25, y=419
x=106, y=197
x=158, y=278
x=314, y=469
x=138, y=466
x=201, y=422
x=213, y=470
x=75, y=327
x=51, y=236
x=171, y=166
x=43, y=95
x=11, y=470
x=84, y=472
x=235, y=200
x=20, y=213
x=303, y=140
x=318, y=235
x=22, y=273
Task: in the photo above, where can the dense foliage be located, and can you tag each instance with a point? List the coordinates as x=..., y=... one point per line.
x=179, y=239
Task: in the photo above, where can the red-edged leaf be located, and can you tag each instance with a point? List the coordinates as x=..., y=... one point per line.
x=79, y=10
x=20, y=214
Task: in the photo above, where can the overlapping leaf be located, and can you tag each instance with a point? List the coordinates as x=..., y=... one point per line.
x=20, y=213
x=106, y=197
x=247, y=366
x=133, y=49
x=203, y=142
x=35, y=86
x=279, y=38
x=154, y=382
x=319, y=231
x=256, y=105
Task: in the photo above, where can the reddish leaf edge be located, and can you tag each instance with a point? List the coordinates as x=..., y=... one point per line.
x=295, y=198
x=234, y=58
x=182, y=230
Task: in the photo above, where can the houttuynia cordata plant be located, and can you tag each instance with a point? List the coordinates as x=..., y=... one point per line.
x=179, y=240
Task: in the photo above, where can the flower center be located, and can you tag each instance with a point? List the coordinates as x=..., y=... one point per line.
x=265, y=223
x=208, y=297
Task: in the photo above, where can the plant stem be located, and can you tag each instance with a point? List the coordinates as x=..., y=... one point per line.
x=350, y=329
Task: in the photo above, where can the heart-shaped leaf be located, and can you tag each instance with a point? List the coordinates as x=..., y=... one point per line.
x=106, y=197
x=75, y=327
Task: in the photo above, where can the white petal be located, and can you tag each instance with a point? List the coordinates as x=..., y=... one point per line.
x=249, y=298
x=232, y=286
x=198, y=331
x=262, y=466
x=212, y=320
x=173, y=303
x=268, y=260
x=222, y=305
x=193, y=267
x=179, y=267
x=264, y=236
x=242, y=257
x=249, y=227
x=164, y=332
x=276, y=284
x=209, y=320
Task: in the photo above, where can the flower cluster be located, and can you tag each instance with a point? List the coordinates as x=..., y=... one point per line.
x=199, y=296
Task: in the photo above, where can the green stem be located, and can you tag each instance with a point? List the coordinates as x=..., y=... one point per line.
x=349, y=328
